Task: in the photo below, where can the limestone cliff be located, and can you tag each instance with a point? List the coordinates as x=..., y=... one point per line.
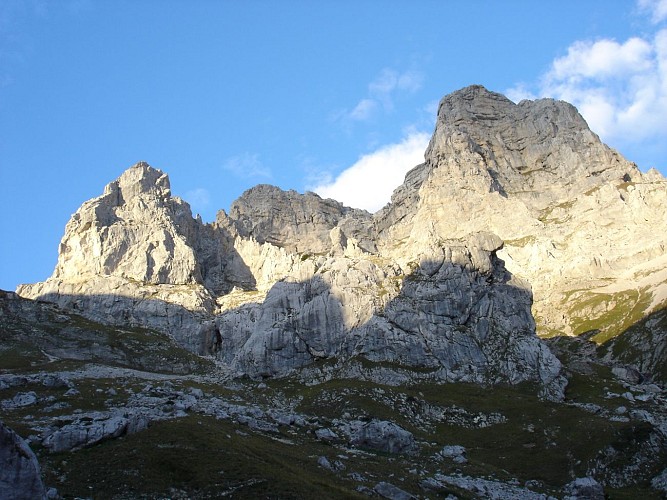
x=287, y=279
x=437, y=285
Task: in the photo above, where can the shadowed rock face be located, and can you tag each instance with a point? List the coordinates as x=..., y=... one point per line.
x=19, y=471
x=438, y=282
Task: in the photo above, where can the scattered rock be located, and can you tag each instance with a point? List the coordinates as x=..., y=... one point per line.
x=481, y=488
x=336, y=466
x=388, y=490
x=455, y=453
x=90, y=430
x=325, y=434
x=380, y=435
x=628, y=374
x=21, y=400
x=583, y=487
x=196, y=392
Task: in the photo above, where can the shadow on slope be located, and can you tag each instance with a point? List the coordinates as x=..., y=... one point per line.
x=643, y=345
x=41, y=335
x=466, y=321
x=640, y=347
x=449, y=322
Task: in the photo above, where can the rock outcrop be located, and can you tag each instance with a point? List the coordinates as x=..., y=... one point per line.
x=20, y=476
x=130, y=255
x=380, y=435
x=438, y=285
x=300, y=223
x=583, y=220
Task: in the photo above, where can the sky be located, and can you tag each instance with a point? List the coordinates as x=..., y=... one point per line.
x=336, y=97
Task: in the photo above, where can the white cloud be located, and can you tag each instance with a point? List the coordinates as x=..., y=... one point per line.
x=656, y=8
x=602, y=59
x=246, y=166
x=382, y=92
x=369, y=183
x=363, y=110
x=390, y=80
x=619, y=87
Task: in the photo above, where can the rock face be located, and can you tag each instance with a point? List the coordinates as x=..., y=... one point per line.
x=583, y=220
x=299, y=223
x=19, y=470
x=438, y=285
x=130, y=254
x=135, y=230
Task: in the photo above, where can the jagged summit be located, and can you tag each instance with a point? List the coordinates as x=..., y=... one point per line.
x=298, y=222
x=140, y=179
x=540, y=151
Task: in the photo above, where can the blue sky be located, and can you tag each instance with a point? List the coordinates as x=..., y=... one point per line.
x=306, y=95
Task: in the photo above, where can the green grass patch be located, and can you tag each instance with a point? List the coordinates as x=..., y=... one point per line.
x=607, y=314
x=199, y=456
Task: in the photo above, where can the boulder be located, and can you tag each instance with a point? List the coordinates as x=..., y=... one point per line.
x=20, y=476
x=380, y=435
x=455, y=453
x=388, y=490
x=90, y=430
x=21, y=400
x=584, y=487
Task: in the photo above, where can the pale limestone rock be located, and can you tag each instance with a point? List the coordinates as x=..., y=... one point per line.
x=301, y=283
x=579, y=222
x=135, y=230
x=129, y=257
x=300, y=223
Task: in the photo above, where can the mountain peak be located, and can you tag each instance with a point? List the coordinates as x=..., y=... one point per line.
x=541, y=151
x=139, y=179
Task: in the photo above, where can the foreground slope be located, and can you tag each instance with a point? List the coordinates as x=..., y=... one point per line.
x=125, y=413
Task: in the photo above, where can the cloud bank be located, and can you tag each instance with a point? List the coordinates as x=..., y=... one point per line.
x=369, y=183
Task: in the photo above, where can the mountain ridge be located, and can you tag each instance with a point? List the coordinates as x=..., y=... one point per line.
x=447, y=221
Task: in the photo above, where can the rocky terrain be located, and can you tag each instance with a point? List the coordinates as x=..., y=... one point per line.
x=296, y=346
x=116, y=412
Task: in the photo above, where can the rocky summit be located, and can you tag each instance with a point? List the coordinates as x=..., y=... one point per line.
x=522, y=264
